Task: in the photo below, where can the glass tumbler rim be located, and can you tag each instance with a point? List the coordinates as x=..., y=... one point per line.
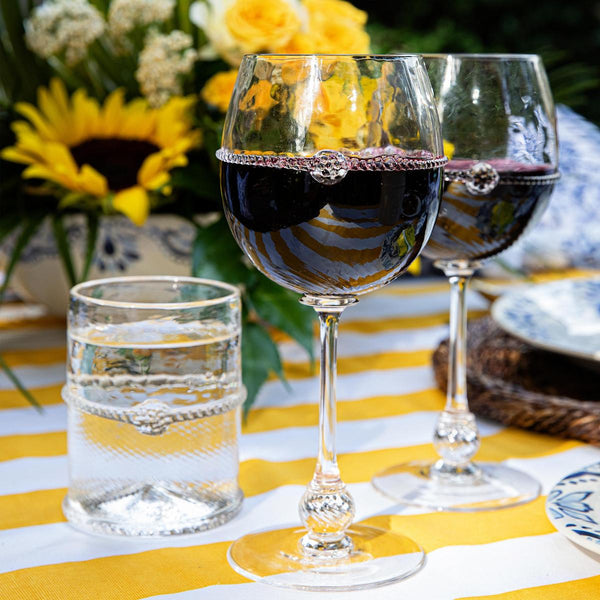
x=76, y=292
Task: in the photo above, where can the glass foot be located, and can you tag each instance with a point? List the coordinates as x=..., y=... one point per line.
x=488, y=486
x=378, y=557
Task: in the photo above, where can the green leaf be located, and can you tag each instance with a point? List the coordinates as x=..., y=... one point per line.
x=29, y=228
x=62, y=243
x=280, y=308
x=260, y=356
x=216, y=255
x=17, y=383
x=90, y=247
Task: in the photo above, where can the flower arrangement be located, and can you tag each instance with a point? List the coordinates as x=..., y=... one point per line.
x=116, y=107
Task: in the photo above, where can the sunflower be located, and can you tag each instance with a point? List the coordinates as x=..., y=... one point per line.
x=118, y=155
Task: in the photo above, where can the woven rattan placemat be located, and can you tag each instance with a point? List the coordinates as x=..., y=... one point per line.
x=519, y=385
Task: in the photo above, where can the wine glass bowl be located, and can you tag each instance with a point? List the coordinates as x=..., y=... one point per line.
x=331, y=174
x=499, y=126
x=315, y=191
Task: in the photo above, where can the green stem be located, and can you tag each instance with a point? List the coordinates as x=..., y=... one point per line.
x=62, y=243
x=183, y=15
x=92, y=237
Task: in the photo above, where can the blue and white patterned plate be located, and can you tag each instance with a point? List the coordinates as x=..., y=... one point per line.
x=561, y=316
x=573, y=507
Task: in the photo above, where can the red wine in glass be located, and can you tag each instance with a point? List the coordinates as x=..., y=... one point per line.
x=475, y=226
x=320, y=239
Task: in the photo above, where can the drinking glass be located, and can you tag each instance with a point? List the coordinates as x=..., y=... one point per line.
x=153, y=395
x=331, y=174
x=498, y=118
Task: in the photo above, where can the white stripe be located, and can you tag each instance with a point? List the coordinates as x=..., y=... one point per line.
x=548, y=470
x=352, y=437
x=380, y=306
x=356, y=386
x=23, y=421
x=17, y=312
x=450, y=572
x=361, y=344
x=34, y=377
x=23, y=475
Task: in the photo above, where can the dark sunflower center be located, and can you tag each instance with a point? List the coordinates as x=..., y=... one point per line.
x=117, y=159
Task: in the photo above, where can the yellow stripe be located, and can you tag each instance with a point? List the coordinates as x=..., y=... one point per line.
x=44, y=395
x=347, y=365
x=172, y=570
x=32, y=508
x=393, y=323
x=31, y=357
x=434, y=287
x=127, y=577
x=581, y=589
x=307, y=415
x=259, y=476
x=39, y=444
x=47, y=322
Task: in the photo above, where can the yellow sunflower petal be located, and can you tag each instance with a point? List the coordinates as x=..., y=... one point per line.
x=37, y=120
x=53, y=113
x=158, y=181
x=151, y=167
x=86, y=117
x=134, y=203
x=13, y=154
x=60, y=157
x=92, y=182
x=112, y=113
x=44, y=172
x=59, y=93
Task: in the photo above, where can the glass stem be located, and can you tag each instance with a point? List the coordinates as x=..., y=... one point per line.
x=456, y=438
x=327, y=508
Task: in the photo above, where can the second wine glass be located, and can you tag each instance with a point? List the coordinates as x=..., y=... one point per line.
x=331, y=176
x=498, y=119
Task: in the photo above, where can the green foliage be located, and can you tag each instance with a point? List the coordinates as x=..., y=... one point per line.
x=565, y=34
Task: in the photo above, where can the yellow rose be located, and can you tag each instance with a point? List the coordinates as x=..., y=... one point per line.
x=258, y=98
x=262, y=24
x=448, y=149
x=336, y=10
x=218, y=89
x=339, y=118
x=334, y=27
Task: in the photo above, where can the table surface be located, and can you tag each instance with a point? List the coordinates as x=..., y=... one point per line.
x=386, y=410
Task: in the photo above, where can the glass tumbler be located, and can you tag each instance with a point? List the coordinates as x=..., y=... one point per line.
x=153, y=394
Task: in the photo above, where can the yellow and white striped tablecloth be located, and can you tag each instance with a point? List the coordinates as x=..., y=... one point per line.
x=387, y=409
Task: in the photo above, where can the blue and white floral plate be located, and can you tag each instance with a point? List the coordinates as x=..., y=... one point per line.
x=573, y=507
x=561, y=316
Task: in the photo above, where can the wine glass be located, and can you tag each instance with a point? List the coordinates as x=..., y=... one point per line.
x=498, y=120
x=331, y=175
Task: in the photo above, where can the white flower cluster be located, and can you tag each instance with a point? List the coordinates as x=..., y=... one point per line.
x=163, y=59
x=68, y=26
x=126, y=15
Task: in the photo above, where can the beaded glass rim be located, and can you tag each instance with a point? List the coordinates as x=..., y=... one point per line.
x=349, y=162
